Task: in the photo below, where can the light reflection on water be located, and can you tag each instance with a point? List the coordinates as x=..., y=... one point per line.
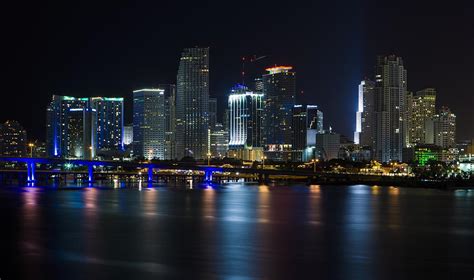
x=240, y=231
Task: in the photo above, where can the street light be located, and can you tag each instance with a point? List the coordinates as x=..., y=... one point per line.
x=31, y=145
x=314, y=164
x=208, y=158
x=263, y=162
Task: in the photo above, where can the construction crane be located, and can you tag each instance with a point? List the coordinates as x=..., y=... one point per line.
x=250, y=59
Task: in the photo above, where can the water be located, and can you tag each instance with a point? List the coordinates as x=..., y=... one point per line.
x=237, y=232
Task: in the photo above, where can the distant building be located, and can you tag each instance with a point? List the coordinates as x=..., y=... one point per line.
x=420, y=115
x=307, y=121
x=279, y=89
x=212, y=112
x=444, y=124
x=109, y=117
x=170, y=120
x=245, y=122
x=13, y=139
x=328, y=145
x=149, y=123
x=219, y=141
x=192, y=104
x=127, y=135
x=365, y=114
x=425, y=153
x=390, y=109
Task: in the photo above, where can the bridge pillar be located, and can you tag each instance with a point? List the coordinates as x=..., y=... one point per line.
x=30, y=171
x=150, y=174
x=90, y=171
x=208, y=176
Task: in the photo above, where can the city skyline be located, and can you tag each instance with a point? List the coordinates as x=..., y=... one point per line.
x=331, y=53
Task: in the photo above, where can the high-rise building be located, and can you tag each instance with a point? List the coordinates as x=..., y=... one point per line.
x=170, y=123
x=12, y=139
x=149, y=123
x=279, y=91
x=245, y=122
x=365, y=114
x=390, y=109
x=109, y=125
x=127, y=135
x=71, y=128
x=219, y=141
x=420, y=114
x=444, y=124
x=307, y=122
x=192, y=104
x=212, y=112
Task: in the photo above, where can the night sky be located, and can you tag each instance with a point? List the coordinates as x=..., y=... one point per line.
x=83, y=49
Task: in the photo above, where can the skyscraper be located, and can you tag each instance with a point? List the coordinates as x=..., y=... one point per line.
x=307, y=122
x=212, y=112
x=390, y=109
x=365, y=114
x=109, y=125
x=170, y=123
x=71, y=128
x=127, y=135
x=192, y=104
x=219, y=141
x=245, y=118
x=279, y=91
x=12, y=139
x=421, y=112
x=445, y=128
x=149, y=123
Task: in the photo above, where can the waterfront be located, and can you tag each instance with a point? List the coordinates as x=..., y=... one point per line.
x=237, y=231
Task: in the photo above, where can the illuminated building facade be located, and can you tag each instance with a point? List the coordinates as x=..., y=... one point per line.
x=219, y=141
x=390, y=109
x=365, y=114
x=192, y=104
x=279, y=89
x=149, y=123
x=245, y=121
x=71, y=128
x=12, y=139
x=444, y=124
x=421, y=112
x=127, y=135
x=109, y=116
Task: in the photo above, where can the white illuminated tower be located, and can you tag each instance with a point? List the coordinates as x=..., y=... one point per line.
x=365, y=114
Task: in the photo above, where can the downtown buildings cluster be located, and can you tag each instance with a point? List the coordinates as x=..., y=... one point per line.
x=262, y=120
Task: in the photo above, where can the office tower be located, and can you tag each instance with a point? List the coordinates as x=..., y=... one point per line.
x=306, y=123
x=390, y=112
x=71, y=128
x=13, y=139
x=149, y=123
x=219, y=141
x=212, y=112
x=365, y=114
x=109, y=125
x=328, y=144
x=421, y=112
x=170, y=123
x=127, y=135
x=258, y=84
x=245, y=114
x=444, y=124
x=192, y=104
x=279, y=91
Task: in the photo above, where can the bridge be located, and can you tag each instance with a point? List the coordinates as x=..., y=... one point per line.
x=262, y=174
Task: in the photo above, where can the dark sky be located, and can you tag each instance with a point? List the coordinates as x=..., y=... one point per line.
x=92, y=49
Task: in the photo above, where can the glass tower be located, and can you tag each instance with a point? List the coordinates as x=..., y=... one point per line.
x=192, y=104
